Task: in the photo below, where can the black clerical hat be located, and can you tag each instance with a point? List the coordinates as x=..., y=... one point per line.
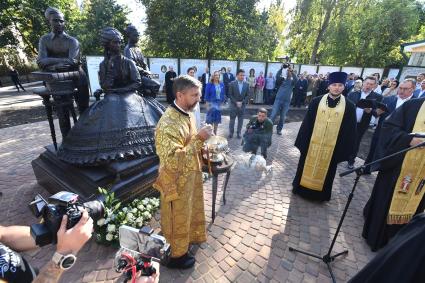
x=337, y=77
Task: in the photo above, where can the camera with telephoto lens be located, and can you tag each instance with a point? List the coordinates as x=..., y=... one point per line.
x=53, y=211
x=285, y=66
x=138, y=248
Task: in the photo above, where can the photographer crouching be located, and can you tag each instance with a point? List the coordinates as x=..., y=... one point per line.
x=258, y=133
x=15, y=239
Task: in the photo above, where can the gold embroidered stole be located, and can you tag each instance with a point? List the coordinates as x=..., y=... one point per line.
x=322, y=143
x=409, y=191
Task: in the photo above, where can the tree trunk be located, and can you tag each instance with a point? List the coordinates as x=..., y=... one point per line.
x=211, y=30
x=322, y=31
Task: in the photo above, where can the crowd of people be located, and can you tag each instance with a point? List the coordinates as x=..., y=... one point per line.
x=340, y=110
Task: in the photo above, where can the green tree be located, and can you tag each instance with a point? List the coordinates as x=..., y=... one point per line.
x=231, y=29
x=96, y=15
x=358, y=32
x=24, y=20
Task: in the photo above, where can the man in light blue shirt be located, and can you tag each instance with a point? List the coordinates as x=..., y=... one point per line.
x=286, y=78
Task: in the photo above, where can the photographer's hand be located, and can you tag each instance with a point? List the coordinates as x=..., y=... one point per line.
x=69, y=241
x=150, y=279
x=72, y=240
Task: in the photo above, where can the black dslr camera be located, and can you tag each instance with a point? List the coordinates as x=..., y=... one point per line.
x=138, y=249
x=53, y=211
x=285, y=66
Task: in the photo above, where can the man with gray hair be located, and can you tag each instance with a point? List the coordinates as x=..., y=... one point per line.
x=59, y=52
x=404, y=93
x=178, y=145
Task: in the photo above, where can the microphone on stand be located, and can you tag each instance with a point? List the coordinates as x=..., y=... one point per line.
x=417, y=135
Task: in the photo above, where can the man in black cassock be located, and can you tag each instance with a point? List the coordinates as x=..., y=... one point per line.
x=402, y=260
x=379, y=225
x=344, y=145
x=170, y=75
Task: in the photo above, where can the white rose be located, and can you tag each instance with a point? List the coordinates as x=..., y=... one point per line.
x=145, y=202
x=125, y=209
x=111, y=228
x=130, y=216
x=101, y=222
x=147, y=215
x=113, y=216
x=109, y=237
x=134, y=210
x=141, y=207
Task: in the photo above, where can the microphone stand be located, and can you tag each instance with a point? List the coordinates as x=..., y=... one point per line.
x=328, y=258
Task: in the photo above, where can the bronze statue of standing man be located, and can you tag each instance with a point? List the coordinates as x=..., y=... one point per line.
x=59, y=52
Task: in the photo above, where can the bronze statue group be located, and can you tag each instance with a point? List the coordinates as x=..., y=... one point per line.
x=129, y=123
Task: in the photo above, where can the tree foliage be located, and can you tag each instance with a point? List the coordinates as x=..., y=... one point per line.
x=96, y=15
x=22, y=23
x=358, y=32
x=24, y=19
x=232, y=29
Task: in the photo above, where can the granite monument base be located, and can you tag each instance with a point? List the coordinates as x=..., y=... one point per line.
x=127, y=179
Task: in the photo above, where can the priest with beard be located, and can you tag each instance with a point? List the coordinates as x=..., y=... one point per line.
x=398, y=193
x=326, y=137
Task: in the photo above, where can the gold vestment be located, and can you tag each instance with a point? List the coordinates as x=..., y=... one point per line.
x=322, y=143
x=180, y=180
x=409, y=189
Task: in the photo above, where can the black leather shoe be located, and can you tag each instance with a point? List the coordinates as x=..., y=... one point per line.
x=230, y=136
x=184, y=262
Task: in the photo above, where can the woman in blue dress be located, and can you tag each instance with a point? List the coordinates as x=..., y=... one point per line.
x=214, y=95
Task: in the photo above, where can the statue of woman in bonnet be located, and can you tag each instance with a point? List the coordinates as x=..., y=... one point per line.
x=150, y=87
x=120, y=126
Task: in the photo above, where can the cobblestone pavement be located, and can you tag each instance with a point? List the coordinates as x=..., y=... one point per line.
x=249, y=239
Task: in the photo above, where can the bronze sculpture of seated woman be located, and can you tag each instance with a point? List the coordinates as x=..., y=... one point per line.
x=120, y=126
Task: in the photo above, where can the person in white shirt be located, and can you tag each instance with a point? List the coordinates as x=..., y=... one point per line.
x=420, y=77
x=197, y=109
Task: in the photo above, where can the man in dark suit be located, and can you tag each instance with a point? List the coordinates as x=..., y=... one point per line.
x=238, y=95
x=205, y=78
x=363, y=115
x=300, y=91
x=404, y=93
x=228, y=77
x=170, y=75
x=420, y=93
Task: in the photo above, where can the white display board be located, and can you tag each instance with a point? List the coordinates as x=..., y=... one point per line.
x=159, y=66
x=198, y=64
x=93, y=63
x=216, y=65
x=371, y=71
x=393, y=73
x=296, y=67
x=411, y=72
x=273, y=67
x=257, y=66
x=328, y=69
x=355, y=70
x=310, y=69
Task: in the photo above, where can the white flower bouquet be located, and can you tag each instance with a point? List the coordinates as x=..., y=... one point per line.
x=136, y=213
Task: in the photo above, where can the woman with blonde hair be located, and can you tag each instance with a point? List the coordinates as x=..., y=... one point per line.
x=214, y=95
x=252, y=82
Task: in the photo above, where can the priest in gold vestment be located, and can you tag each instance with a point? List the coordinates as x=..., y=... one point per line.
x=326, y=137
x=178, y=145
x=399, y=190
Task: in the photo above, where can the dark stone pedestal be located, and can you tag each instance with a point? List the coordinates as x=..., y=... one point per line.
x=127, y=179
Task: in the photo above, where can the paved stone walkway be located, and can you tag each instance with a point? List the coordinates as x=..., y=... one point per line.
x=250, y=237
